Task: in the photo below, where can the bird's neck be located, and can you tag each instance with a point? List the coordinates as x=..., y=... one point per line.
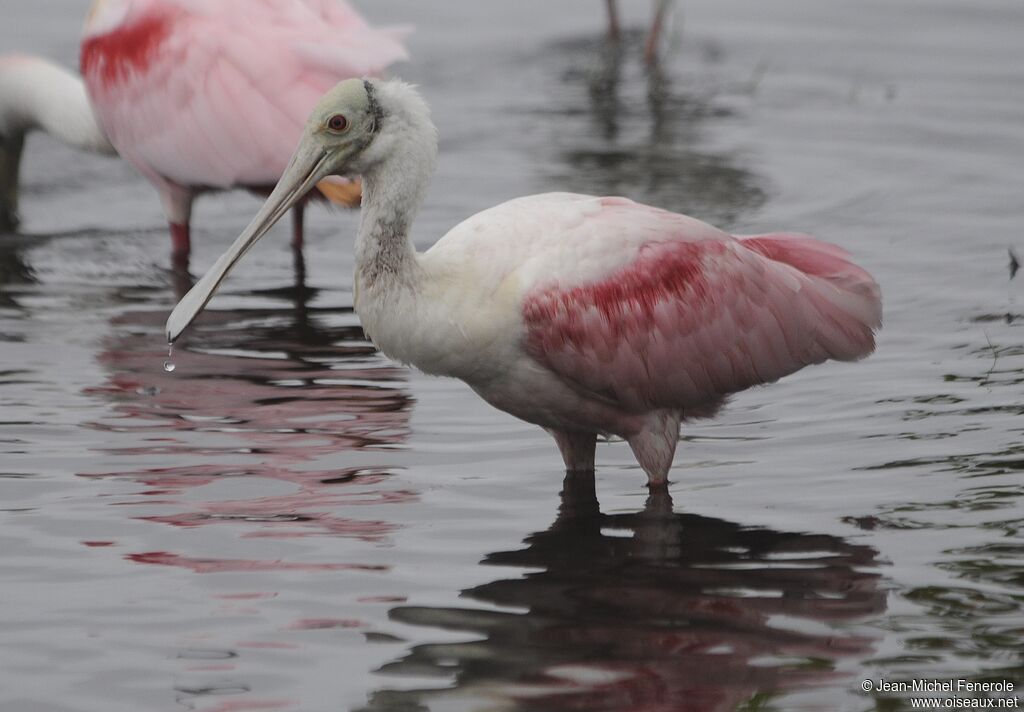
x=36, y=94
x=392, y=192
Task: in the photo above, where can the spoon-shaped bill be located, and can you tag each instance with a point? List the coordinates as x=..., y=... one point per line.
x=305, y=170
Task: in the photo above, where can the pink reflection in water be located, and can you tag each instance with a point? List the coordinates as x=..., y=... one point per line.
x=252, y=706
x=267, y=645
x=248, y=402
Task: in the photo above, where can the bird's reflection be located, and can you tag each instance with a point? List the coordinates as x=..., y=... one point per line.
x=639, y=130
x=15, y=271
x=287, y=394
x=647, y=611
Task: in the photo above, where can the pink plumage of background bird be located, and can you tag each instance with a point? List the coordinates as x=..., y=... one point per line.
x=587, y=316
x=206, y=95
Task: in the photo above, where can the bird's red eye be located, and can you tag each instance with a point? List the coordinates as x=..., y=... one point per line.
x=337, y=123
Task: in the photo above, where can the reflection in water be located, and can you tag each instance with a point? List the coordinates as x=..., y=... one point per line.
x=13, y=267
x=257, y=394
x=980, y=607
x=647, y=611
x=626, y=129
x=14, y=270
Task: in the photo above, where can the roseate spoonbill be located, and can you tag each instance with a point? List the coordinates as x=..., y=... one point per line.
x=661, y=10
x=584, y=315
x=213, y=95
x=36, y=94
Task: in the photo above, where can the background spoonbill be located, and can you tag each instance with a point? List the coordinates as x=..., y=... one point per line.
x=36, y=94
x=214, y=95
x=583, y=315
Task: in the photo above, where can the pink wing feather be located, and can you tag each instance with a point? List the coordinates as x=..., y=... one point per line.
x=216, y=93
x=695, y=316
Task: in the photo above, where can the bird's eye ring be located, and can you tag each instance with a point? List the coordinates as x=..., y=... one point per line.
x=337, y=123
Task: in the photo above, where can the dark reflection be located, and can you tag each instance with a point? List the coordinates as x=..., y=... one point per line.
x=283, y=394
x=628, y=128
x=13, y=267
x=652, y=610
x=15, y=271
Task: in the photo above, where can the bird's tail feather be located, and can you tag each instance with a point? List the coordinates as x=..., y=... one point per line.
x=846, y=298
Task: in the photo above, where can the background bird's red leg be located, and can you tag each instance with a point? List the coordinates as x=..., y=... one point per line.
x=614, y=31
x=181, y=240
x=181, y=247
x=651, y=48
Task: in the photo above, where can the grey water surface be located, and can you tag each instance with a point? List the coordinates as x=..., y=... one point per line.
x=289, y=521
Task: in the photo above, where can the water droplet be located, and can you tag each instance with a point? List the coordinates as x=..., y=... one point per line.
x=169, y=364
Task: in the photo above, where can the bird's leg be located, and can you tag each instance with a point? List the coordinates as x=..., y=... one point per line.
x=181, y=243
x=10, y=163
x=180, y=253
x=177, y=202
x=651, y=48
x=298, y=225
x=614, y=29
x=655, y=446
x=577, y=449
